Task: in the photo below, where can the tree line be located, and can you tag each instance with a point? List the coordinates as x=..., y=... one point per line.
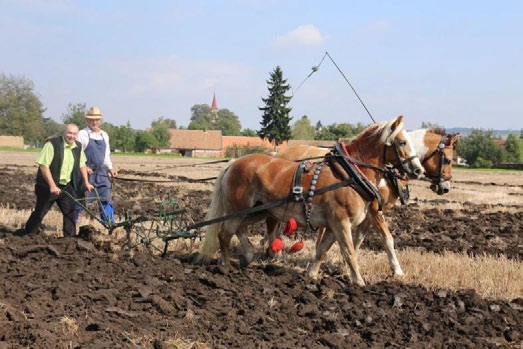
x=22, y=114
x=481, y=149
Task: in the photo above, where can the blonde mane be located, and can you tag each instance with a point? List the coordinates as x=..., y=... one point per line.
x=383, y=129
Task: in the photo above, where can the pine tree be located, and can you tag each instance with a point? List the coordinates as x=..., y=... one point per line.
x=275, y=125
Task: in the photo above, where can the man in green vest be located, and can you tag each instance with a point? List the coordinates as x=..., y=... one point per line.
x=61, y=168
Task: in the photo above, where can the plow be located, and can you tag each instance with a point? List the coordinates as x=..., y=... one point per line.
x=171, y=221
x=167, y=223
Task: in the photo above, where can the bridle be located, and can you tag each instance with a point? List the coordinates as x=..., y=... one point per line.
x=443, y=161
x=400, y=163
x=394, y=171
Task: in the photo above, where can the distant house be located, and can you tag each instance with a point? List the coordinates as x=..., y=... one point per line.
x=195, y=143
x=211, y=143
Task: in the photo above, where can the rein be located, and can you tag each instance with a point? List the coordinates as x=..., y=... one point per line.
x=180, y=179
x=393, y=178
x=140, y=180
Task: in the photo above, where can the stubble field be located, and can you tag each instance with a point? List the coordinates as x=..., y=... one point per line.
x=461, y=253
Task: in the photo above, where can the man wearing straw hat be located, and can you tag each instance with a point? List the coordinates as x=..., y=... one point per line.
x=95, y=143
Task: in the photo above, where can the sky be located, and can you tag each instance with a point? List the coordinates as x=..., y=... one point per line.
x=450, y=63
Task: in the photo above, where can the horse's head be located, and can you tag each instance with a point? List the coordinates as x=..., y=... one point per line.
x=399, y=150
x=436, y=156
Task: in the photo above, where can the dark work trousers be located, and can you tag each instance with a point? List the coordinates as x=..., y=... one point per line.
x=44, y=201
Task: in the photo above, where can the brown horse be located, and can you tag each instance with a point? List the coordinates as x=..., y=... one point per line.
x=332, y=196
x=435, y=150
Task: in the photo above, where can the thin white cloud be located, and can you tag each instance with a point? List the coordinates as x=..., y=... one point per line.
x=304, y=35
x=166, y=75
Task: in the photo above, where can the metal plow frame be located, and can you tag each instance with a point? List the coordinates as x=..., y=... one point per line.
x=169, y=223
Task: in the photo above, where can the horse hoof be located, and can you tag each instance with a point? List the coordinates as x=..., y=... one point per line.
x=269, y=254
x=245, y=261
x=312, y=275
x=360, y=283
x=202, y=260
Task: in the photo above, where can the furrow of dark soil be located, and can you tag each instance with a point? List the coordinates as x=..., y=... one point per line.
x=81, y=293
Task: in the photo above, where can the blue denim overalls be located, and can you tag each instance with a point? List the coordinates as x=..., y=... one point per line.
x=95, y=153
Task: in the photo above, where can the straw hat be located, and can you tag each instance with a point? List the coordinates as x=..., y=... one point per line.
x=94, y=113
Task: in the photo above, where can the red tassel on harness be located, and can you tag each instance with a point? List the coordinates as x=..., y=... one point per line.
x=277, y=245
x=290, y=227
x=297, y=246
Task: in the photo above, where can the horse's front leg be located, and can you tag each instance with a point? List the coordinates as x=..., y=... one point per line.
x=378, y=220
x=324, y=242
x=344, y=238
x=359, y=234
x=361, y=231
x=326, y=238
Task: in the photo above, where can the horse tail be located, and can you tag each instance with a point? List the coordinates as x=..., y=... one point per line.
x=216, y=209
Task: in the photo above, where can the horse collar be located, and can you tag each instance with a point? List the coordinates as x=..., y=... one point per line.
x=361, y=184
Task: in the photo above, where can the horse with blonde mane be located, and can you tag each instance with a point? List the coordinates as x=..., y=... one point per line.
x=435, y=150
x=335, y=193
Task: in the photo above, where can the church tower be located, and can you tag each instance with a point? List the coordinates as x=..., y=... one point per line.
x=214, y=110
